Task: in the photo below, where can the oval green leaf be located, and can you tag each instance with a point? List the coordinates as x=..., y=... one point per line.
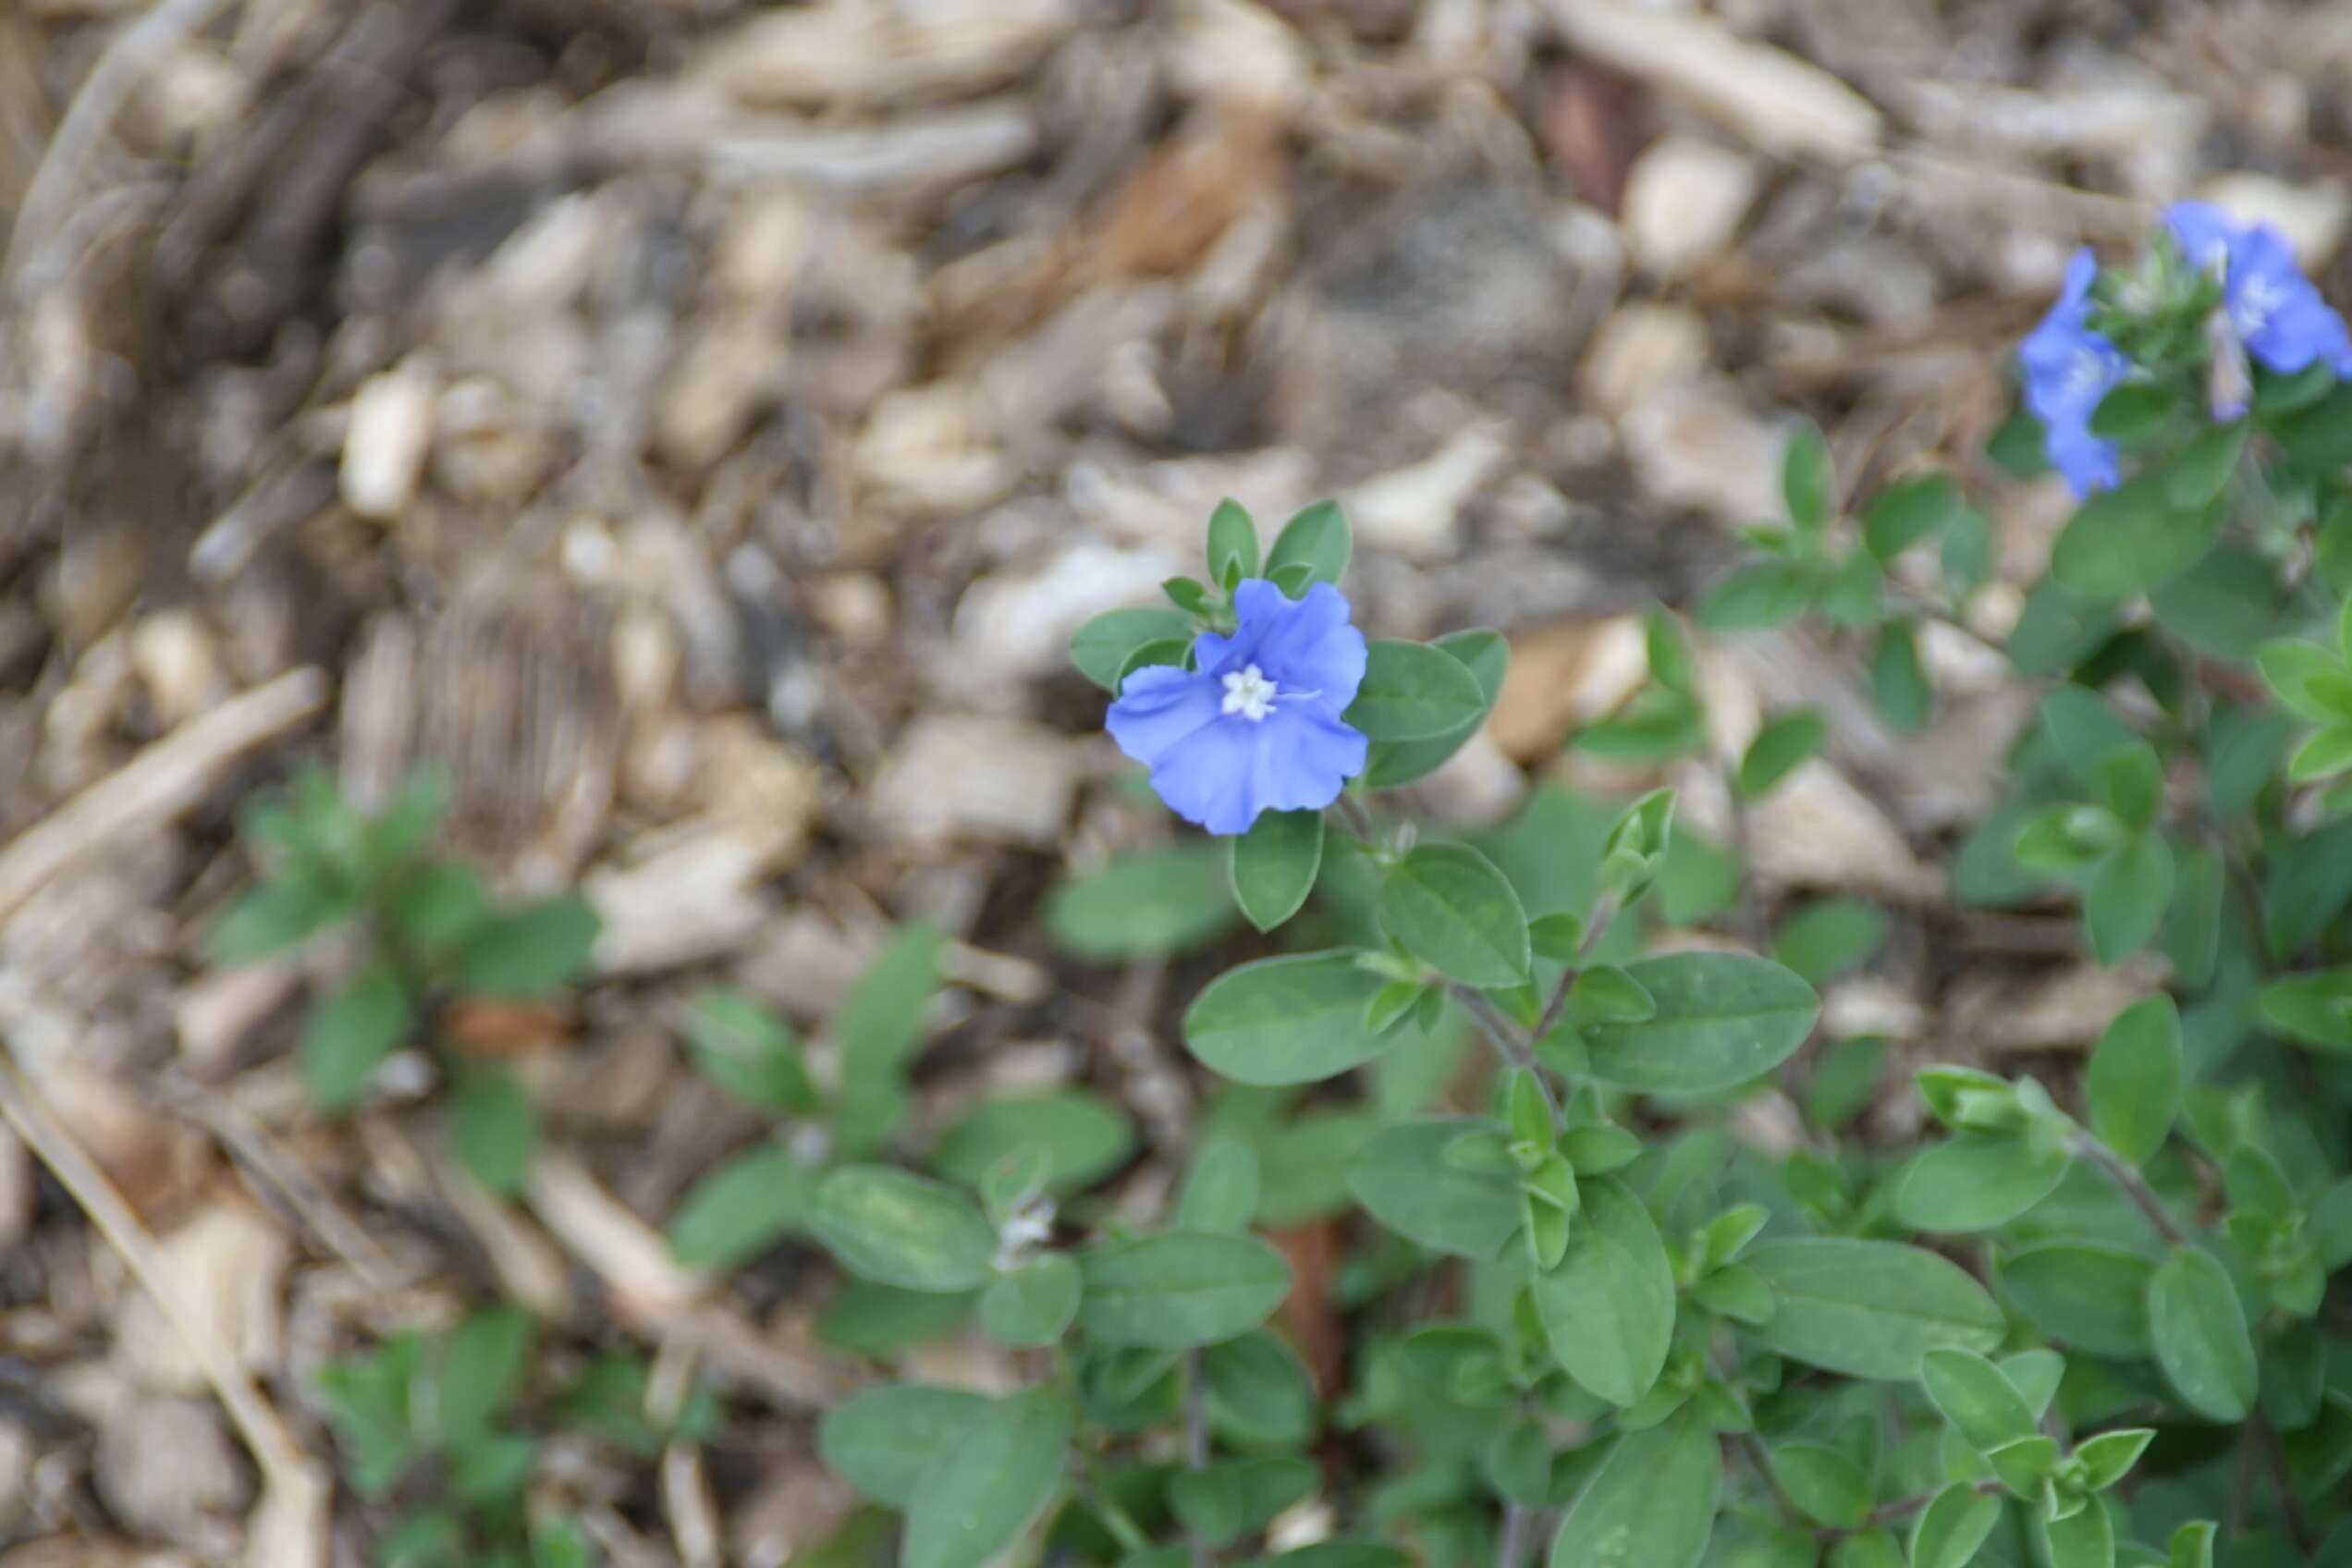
x=1650, y=1503
x=1608, y=1308
x=1100, y=648
x=1450, y=908
x=1976, y=1182
x=1084, y=1137
x=2199, y=1328
x=1722, y=1019
x=992, y=1484
x=2086, y=1297
x=1034, y=1304
x=1275, y=864
x=1869, y=1309
x=1404, y=1181
x=1174, y=1289
x=1414, y=691
x=896, y=1228
x=1488, y=657
x=741, y=1208
x=1294, y=1019
x=883, y=1440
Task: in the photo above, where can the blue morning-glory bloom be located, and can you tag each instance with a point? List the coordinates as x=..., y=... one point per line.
x=2068, y=368
x=2269, y=309
x=1256, y=726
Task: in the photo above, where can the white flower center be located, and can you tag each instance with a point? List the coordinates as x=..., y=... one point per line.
x=2258, y=299
x=1249, y=693
x=2084, y=370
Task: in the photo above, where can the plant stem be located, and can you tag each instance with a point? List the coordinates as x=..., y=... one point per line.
x=1196, y=1445
x=1604, y=913
x=2299, y=1528
x=2131, y=1184
x=1518, y=1523
x=1507, y=1042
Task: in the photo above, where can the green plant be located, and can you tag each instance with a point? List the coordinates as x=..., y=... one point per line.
x=444, y=1432
x=424, y=934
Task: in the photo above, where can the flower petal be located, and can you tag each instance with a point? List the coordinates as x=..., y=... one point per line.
x=1311, y=647
x=1224, y=774
x=1159, y=706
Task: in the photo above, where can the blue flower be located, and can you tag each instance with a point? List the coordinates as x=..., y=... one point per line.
x=1257, y=726
x=2068, y=368
x=2269, y=309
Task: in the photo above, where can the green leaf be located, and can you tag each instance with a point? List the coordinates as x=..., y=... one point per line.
x=1976, y=1181
x=1292, y=1020
x=1450, y=906
x=1777, y=750
x=1403, y=1178
x=482, y=1364
x=1084, y=1136
x=1102, y=647
x=2132, y=411
x=1608, y=1308
x=1982, y=1404
x=1220, y=1189
x=2024, y=1465
x=1258, y=1389
x=1827, y=938
x=1228, y=1499
x=744, y=1049
x=1317, y=538
x=2321, y=755
x=1153, y=902
x=2058, y=628
x=1870, y=1309
x=1516, y=1461
x=1898, y=683
x=2134, y=1085
x=1487, y=655
x=896, y=1228
x=349, y=1035
x=559, y=1541
x=1722, y=1019
x=1908, y=512
x=1173, y=1289
x=1274, y=865
x=490, y=1468
x=1034, y=1304
x=2128, y=895
x=1414, y=691
x=2192, y=1545
x=1648, y=1503
x=1827, y=1487
x=533, y=951
x=991, y=1485
x=2192, y=934
x=882, y=1321
x=1738, y=1293
x=741, y=1208
x=2315, y=1009
x=2082, y=1539
x=438, y=907
x=2130, y=539
x=1807, y=482
x=2330, y=1225
x=1233, y=544
x=2086, y=1297
x=1952, y=1527
x=492, y=1128
x=1606, y=994
x=879, y=1027
x=1168, y=651
x=1875, y=1548
x=2109, y=1457
x=1757, y=598
x=433, y=1538
x=274, y=915
x=2311, y=681
x=2225, y=605
x=2199, y=1333
x=1191, y=597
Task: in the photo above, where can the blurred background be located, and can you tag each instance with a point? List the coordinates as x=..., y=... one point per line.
x=696, y=427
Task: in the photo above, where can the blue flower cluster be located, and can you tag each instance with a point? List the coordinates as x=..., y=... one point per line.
x=1255, y=725
x=2270, y=311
